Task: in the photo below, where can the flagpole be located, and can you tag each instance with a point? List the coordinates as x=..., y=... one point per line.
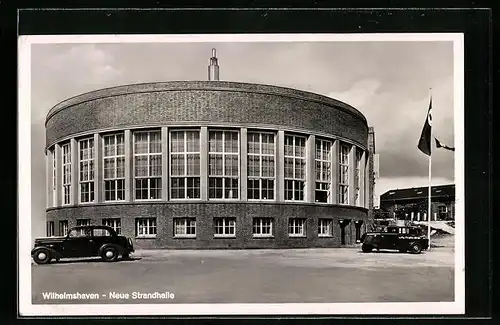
x=429, y=215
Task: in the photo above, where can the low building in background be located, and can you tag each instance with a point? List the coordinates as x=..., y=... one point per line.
x=410, y=204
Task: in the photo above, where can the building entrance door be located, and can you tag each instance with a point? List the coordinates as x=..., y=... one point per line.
x=358, y=224
x=343, y=233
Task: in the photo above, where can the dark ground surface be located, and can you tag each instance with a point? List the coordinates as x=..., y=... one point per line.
x=255, y=276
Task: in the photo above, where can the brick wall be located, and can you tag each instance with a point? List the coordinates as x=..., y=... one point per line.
x=198, y=103
x=204, y=214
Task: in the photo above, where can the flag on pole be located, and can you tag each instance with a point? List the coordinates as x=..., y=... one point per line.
x=439, y=144
x=424, y=144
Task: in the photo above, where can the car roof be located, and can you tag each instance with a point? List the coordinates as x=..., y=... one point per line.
x=381, y=232
x=403, y=227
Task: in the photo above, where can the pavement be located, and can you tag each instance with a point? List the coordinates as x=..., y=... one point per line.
x=443, y=240
x=251, y=276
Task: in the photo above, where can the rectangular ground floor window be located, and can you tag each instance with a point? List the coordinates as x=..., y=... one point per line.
x=325, y=227
x=224, y=227
x=63, y=227
x=262, y=227
x=145, y=227
x=185, y=227
x=50, y=228
x=296, y=227
x=82, y=222
x=114, y=223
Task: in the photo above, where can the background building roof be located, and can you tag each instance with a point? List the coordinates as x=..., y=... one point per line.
x=418, y=193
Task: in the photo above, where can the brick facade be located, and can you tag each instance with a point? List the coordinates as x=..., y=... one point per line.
x=199, y=103
x=204, y=213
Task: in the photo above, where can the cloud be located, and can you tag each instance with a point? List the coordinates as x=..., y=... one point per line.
x=62, y=71
x=398, y=118
x=59, y=72
x=361, y=93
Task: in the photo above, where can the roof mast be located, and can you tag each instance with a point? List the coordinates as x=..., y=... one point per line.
x=213, y=68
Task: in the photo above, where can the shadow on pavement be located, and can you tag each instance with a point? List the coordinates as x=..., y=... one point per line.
x=94, y=260
x=383, y=252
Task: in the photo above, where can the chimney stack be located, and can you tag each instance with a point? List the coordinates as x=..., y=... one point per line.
x=213, y=68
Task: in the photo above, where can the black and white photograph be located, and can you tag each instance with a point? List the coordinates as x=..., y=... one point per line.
x=234, y=174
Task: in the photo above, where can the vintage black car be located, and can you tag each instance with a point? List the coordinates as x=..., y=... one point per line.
x=405, y=239
x=83, y=241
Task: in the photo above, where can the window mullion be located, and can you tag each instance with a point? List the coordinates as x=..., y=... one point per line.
x=260, y=154
x=260, y=166
x=321, y=162
x=147, y=175
x=149, y=160
x=223, y=168
x=185, y=140
x=115, y=174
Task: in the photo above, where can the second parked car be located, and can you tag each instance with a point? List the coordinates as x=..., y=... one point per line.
x=403, y=239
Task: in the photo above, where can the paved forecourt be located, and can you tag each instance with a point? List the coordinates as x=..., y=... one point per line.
x=250, y=276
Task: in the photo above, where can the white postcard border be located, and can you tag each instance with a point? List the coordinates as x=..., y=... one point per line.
x=26, y=308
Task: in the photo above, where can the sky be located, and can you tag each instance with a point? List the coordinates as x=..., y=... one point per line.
x=387, y=81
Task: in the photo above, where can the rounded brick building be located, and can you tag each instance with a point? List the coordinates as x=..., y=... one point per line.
x=209, y=164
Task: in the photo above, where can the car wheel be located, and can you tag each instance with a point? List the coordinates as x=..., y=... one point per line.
x=415, y=248
x=42, y=256
x=109, y=254
x=366, y=249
